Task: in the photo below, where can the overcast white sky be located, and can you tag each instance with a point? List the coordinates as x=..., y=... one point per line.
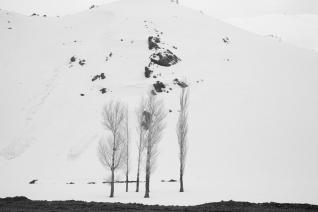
x=220, y=8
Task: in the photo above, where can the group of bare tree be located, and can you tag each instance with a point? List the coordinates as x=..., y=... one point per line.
x=114, y=151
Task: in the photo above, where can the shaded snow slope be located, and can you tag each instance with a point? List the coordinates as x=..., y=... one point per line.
x=253, y=116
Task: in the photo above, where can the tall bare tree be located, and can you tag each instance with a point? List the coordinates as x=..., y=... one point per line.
x=111, y=153
x=141, y=142
x=182, y=132
x=127, y=147
x=153, y=124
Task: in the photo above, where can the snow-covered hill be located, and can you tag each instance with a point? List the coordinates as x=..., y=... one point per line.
x=299, y=30
x=253, y=114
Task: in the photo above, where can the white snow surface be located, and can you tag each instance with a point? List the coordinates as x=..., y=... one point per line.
x=300, y=30
x=253, y=115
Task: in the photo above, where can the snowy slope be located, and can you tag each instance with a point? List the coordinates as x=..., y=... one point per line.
x=253, y=116
x=299, y=30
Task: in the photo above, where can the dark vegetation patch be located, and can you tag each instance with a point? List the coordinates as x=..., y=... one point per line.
x=91, y=7
x=82, y=94
x=24, y=204
x=180, y=83
x=99, y=76
x=159, y=86
x=164, y=57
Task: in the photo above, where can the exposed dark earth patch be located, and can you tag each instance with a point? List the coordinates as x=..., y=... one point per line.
x=19, y=204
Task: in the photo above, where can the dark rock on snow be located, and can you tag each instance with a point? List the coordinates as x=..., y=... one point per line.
x=164, y=57
x=148, y=72
x=180, y=83
x=33, y=181
x=103, y=90
x=159, y=86
x=153, y=42
x=99, y=76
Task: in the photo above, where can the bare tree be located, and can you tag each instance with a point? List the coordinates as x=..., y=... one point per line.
x=141, y=142
x=111, y=153
x=127, y=147
x=182, y=132
x=153, y=124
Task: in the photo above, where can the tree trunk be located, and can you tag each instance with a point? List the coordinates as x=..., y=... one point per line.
x=138, y=173
x=112, y=184
x=181, y=181
x=113, y=169
x=139, y=159
x=127, y=181
x=147, y=190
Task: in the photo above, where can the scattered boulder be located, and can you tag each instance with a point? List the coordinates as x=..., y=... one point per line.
x=159, y=86
x=82, y=62
x=164, y=57
x=73, y=59
x=99, y=76
x=82, y=94
x=170, y=111
x=33, y=181
x=180, y=83
x=70, y=183
x=226, y=40
x=148, y=72
x=172, y=180
x=153, y=42
x=103, y=90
